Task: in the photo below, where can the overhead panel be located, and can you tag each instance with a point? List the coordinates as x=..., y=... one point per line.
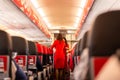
x=16, y=23
x=28, y=9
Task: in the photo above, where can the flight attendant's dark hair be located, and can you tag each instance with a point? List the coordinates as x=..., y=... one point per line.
x=59, y=37
x=65, y=40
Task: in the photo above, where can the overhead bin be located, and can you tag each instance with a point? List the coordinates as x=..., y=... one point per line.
x=29, y=10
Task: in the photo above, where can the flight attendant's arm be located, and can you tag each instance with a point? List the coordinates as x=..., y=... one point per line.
x=53, y=45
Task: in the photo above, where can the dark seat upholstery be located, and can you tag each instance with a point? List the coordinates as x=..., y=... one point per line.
x=20, y=45
x=104, y=40
x=39, y=65
x=32, y=48
x=39, y=62
x=5, y=43
x=32, y=57
x=84, y=42
x=5, y=51
x=105, y=34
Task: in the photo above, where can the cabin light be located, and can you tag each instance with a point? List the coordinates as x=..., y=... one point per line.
x=14, y=21
x=79, y=13
x=55, y=31
x=76, y=25
x=70, y=31
x=48, y=25
x=83, y=3
x=40, y=10
x=77, y=22
x=46, y=22
x=35, y=3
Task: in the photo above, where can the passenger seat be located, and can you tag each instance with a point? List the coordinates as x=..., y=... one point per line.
x=104, y=41
x=5, y=52
x=20, y=46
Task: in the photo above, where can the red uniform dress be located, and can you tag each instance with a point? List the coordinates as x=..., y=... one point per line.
x=59, y=56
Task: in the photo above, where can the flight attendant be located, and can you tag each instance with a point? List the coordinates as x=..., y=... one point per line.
x=59, y=56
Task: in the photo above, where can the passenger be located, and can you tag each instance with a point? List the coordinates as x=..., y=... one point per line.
x=18, y=73
x=59, y=56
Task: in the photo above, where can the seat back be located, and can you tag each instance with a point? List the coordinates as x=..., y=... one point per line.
x=81, y=69
x=44, y=55
x=40, y=52
x=84, y=42
x=5, y=50
x=39, y=57
x=104, y=40
x=78, y=51
x=75, y=54
x=32, y=57
x=107, y=72
x=20, y=46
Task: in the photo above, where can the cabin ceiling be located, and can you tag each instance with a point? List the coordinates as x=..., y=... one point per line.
x=60, y=14
x=57, y=14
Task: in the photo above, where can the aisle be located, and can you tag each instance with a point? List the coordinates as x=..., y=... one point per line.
x=65, y=78
x=71, y=76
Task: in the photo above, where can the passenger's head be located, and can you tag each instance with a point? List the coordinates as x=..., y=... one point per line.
x=14, y=54
x=59, y=37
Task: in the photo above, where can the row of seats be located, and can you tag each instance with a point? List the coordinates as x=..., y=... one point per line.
x=96, y=48
x=23, y=60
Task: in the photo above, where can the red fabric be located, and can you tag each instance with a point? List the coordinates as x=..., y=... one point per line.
x=98, y=64
x=21, y=61
x=51, y=52
x=45, y=50
x=31, y=59
x=4, y=63
x=39, y=48
x=59, y=56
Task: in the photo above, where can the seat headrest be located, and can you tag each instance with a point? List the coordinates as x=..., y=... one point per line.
x=78, y=47
x=39, y=49
x=104, y=37
x=32, y=48
x=77, y=52
x=20, y=45
x=84, y=42
x=5, y=43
